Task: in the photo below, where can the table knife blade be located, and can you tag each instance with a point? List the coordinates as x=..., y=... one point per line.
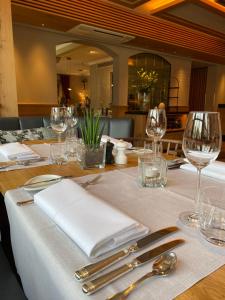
x=46, y=181
x=94, y=268
x=92, y=286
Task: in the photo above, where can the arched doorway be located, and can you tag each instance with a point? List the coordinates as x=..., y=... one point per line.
x=84, y=75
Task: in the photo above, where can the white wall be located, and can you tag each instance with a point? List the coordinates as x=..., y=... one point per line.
x=215, y=91
x=35, y=65
x=100, y=85
x=181, y=70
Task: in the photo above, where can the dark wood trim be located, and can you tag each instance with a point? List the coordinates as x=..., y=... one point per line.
x=29, y=109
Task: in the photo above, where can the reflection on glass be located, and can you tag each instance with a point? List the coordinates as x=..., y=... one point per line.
x=156, y=125
x=201, y=145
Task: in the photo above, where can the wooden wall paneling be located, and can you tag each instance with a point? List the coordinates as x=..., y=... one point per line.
x=35, y=109
x=8, y=92
x=198, y=89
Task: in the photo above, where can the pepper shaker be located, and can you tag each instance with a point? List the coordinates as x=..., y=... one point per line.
x=121, y=158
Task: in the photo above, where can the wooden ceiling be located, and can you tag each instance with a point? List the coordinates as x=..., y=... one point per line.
x=152, y=26
x=130, y=3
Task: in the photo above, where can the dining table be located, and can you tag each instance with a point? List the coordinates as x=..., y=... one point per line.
x=46, y=257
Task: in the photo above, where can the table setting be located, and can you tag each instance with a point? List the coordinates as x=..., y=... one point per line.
x=19, y=156
x=139, y=205
x=99, y=236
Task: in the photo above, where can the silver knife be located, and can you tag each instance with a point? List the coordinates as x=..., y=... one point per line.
x=46, y=181
x=94, y=268
x=94, y=285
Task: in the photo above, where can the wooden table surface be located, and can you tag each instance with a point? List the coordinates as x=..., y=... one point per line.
x=211, y=287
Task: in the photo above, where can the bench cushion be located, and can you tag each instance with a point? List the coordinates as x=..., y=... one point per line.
x=31, y=122
x=9, y=123
x=7, y=136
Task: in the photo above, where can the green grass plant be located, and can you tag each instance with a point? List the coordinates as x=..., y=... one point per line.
x=91, y=131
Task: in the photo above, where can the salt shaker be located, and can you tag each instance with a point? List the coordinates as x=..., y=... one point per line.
x=121, y=158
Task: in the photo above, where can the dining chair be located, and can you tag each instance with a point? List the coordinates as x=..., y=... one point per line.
x=171, y=147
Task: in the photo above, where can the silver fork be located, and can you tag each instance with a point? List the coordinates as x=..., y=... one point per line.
x=83, y=184
x=91, y=181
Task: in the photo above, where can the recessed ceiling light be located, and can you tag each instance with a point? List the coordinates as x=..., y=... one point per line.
x=93, y=52
x=43, y=25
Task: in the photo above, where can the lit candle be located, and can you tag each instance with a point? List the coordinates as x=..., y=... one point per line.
x=151, y=172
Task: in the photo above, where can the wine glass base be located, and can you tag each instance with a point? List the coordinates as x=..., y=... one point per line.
x=189, y=218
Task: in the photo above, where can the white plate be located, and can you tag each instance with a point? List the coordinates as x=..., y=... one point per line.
x=140, y=151
x=41, y=185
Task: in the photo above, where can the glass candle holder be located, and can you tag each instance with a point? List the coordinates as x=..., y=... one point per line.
x=152, y=170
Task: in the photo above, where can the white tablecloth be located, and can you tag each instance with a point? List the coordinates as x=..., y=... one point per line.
x=46, y=258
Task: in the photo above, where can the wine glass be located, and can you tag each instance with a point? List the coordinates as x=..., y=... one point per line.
x=72, y=120
x=58, y=120
x=201, y=145
x=156, y=125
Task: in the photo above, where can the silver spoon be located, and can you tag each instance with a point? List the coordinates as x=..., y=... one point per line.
x=161, y=267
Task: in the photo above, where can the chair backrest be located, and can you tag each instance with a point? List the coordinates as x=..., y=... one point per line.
x=121, y=127
x=171, y=147
x=31, y=122
x=9, y=123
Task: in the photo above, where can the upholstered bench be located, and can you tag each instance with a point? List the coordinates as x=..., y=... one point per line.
x=13, y=129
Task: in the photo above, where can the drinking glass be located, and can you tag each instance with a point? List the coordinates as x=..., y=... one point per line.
x=212, y=214
x=58, y=153
x=156, y=125
x=58, y=120
x=201, y=145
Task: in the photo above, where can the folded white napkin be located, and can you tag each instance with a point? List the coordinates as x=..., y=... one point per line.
x=114, y=141
x=17, y=151
x=93, y=225
x=216, y=169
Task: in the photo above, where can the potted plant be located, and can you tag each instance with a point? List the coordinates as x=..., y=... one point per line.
x=91, y=149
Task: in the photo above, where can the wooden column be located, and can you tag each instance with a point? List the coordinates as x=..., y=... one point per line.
x=8, y=94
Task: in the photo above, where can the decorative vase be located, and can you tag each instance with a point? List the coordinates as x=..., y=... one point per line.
x=144, y=100
x=91, y=156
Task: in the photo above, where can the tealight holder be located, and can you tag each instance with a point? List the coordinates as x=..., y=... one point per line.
x=152, y=170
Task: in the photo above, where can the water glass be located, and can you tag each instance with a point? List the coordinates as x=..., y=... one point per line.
x=58, y=153
x=212, y=215
x=71, y=149
x=152, y=170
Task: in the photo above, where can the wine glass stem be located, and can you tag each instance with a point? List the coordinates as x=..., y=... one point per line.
x=59, y=137
x=197, y=199
x=154, y=146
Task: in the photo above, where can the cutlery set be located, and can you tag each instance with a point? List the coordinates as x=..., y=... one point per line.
x=162, y=266
x=26, y=162
x=31, y=201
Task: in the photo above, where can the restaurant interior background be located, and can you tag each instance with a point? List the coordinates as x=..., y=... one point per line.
x=88, y=59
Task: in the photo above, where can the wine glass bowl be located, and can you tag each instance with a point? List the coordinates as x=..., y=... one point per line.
x=58, y=120
x=156, y=125
x=72, y=121
x=72, y=118
x=201, y=145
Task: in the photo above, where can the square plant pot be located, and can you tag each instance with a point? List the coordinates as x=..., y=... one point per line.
x=91, y=156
